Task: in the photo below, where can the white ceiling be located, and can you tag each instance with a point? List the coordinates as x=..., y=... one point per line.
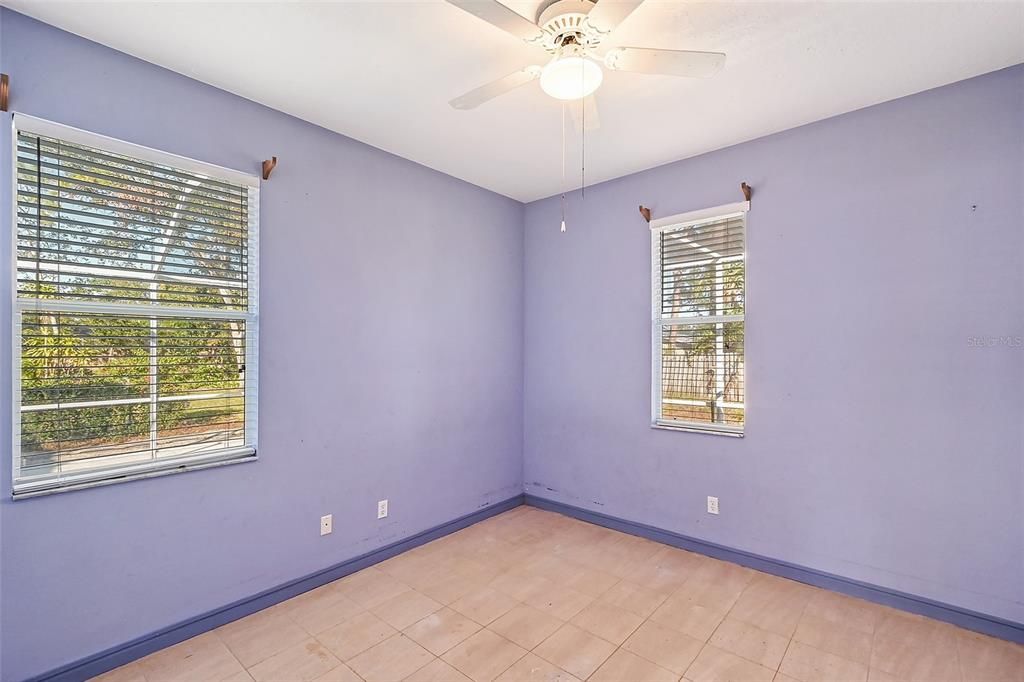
x=383, y=72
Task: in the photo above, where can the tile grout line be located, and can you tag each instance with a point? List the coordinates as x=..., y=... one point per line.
x=525, y=653
x=648, y=620
x=228, y=649
x=959, y=660
x=792, y=637
x=871, y=652
x=632, y=632
x=707, y=642
x=619, y=646
x=362, y=611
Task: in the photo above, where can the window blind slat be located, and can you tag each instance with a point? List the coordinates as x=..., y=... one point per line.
x=66, y=225
x=72, y=242
x=44, y=198
x=94, y=255
x=73, y=181
x=124, y=163
x=28, y=203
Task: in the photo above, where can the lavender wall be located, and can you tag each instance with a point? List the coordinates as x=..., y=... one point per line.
x=880, y=444
x=391, y=360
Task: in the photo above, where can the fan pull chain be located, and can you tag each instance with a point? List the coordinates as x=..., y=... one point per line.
x=583, y=137
x=563, y=166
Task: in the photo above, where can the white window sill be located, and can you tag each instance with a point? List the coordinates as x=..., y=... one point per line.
x=697, y=428
x=102, y=479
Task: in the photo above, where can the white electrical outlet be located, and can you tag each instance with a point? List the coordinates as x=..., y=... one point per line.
x=382, y=509
x=712, y=505
x=326, y=524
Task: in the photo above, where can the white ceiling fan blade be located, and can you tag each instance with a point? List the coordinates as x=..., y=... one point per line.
x=497, y=14
x=667, y=62
x=584, y=113
x=478, y=96
x=607, y=14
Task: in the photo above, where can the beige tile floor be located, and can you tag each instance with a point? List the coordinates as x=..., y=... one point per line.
x=532, y=595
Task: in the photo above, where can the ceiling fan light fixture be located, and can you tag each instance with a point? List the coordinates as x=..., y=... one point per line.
x=571, y=77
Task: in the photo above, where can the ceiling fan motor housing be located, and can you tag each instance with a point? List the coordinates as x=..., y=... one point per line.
x=565, y=22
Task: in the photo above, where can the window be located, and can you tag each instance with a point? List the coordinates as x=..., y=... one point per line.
x=135, y=312
x=699, y=275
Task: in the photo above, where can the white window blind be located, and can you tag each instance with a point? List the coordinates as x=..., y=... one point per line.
x=699, y=279
x=135, y=316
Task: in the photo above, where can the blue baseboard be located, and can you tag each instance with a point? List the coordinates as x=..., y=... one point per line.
x=137, y=648
x=972, y=620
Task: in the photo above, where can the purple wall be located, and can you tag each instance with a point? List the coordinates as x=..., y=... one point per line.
x=880, y=444
x=391, y=366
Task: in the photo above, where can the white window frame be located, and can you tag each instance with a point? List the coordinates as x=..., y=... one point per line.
x=48, y=484
x=658, y=322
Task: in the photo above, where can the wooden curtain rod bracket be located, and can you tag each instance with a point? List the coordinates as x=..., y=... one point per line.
x=268, y=167
x=747, y=192
x=5, y=90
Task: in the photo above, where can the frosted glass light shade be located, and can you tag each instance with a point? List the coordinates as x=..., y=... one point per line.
x=571, y=78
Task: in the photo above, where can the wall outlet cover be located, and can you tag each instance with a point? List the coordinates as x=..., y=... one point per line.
x=382, y=509
x=326, y=524
x=712, y=505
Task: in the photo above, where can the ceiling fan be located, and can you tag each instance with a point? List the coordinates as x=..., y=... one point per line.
x=573, y=31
